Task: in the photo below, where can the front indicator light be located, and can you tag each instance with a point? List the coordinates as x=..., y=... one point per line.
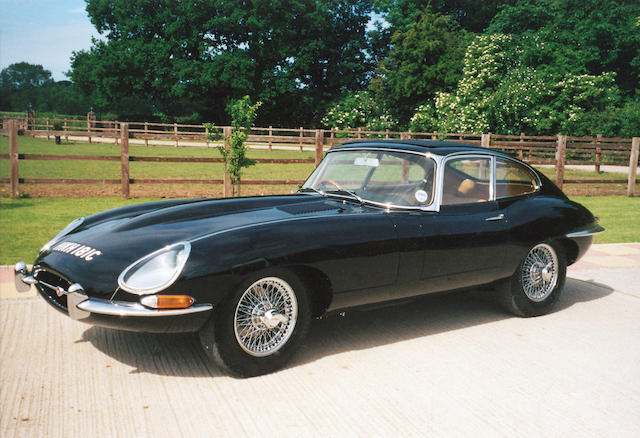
x=167, y=301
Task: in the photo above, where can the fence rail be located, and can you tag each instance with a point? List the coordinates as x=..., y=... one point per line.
x=558, y=151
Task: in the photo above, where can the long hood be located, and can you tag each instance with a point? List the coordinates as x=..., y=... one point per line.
x=108, y=242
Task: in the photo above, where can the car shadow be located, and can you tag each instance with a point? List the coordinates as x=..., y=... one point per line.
x=182, y=355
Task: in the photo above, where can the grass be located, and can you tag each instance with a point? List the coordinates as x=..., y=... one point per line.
x=619, y=215
x=111, y=169
x=27, y=224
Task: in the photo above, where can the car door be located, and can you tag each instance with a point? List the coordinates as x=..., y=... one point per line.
x=463, y=242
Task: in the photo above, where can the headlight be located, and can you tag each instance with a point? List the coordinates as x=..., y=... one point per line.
x=66, y=230
x=156, y=271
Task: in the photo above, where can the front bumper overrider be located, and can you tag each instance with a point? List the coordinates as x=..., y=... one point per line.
x=121, y=315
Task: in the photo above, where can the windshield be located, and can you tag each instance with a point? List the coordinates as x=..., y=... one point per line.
x=382, y=177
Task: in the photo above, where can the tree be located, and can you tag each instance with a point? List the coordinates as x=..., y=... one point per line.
x=578, y=36
x=20, y=84
x=471, y=15
x=294, y=56
x=243, y=115
x=426, y=57
x=499, y=92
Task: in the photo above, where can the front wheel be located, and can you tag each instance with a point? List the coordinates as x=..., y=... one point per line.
x=257, y=329
x=537, y=283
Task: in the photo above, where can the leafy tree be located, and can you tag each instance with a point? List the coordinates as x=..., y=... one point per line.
x=23, y=75
x=577, y=36
x=243, y=115
x=426, y=57
x=294, y=56
x=499, y=92
x=471, y=15
x=20, y=83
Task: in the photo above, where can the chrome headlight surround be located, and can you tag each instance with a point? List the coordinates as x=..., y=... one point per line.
x=155, y=271
x=66, y=230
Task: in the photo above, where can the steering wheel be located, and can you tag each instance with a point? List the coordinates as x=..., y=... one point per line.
x=332, y=182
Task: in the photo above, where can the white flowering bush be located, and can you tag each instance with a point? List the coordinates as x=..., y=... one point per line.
x=499, y=92
x=358, y=110
x=424, y=120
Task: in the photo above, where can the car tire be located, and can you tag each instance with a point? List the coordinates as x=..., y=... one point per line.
x=538, y=282
x=259, y=327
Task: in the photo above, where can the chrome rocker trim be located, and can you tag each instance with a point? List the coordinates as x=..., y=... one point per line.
x=592, y=230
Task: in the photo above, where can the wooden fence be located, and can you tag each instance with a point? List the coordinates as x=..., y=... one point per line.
x=558, y=151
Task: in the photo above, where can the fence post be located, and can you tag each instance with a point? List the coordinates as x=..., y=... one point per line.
x=175, y=132
x=124, y=158
x=301, y=139
x=332, y=137
x=386, y=134
x=146, y=133
x=598, y=153
x=270, y=135
x=91, y=122
x=561, y=152
x=633, y=166
x=359, y=133
x=485, y=140
x=66, y=132
x=521, y=151
x=47, y=128
x=319, y=145
x=226, y=132
x=13, y=158
x=434, y=136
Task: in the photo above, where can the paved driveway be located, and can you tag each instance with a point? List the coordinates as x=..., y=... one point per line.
x=452, y=365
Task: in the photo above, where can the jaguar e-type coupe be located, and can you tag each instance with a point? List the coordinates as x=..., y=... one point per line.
x=377, y=221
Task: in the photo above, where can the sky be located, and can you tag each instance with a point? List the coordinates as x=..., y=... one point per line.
x=44, y=32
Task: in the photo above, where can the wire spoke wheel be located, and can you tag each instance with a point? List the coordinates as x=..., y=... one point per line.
x=539, y=272
x=265, y=316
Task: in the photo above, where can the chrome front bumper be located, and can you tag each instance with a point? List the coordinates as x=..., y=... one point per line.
x=82, y=307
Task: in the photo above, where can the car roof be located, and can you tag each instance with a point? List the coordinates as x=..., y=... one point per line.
x=433, y=146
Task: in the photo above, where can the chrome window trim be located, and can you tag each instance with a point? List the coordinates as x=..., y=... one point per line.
x=457, y=155
x=436, y=161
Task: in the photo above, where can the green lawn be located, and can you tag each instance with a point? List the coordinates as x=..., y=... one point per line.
x=27, y=224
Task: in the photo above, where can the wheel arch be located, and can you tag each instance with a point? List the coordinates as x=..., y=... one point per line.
x=318, y=287
x=570, y=248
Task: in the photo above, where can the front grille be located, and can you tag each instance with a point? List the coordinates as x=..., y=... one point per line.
x=48, y=282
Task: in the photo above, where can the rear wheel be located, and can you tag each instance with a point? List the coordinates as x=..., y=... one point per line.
x=538, y=282
x=257, y=329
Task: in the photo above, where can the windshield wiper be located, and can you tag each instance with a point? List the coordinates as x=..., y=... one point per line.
x=348, y=192
x=311, y=189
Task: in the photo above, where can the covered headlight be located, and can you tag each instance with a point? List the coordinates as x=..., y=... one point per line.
x=66, y=230
x=156, y=271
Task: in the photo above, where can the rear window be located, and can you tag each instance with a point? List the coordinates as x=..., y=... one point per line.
x=513, y=179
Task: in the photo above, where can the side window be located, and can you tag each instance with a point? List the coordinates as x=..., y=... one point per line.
x=513, y=179
x=466, y=180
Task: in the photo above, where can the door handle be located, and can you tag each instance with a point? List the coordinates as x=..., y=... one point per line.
x=495, y=218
